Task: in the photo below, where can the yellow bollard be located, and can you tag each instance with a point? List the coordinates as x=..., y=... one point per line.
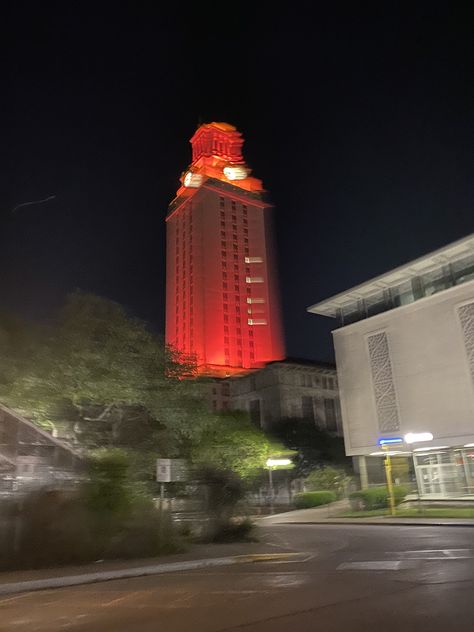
x=388, y=475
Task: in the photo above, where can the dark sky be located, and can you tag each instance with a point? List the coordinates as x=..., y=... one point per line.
x=357, y=120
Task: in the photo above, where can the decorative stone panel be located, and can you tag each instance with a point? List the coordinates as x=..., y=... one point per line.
x=466, y=316
x=382, y=379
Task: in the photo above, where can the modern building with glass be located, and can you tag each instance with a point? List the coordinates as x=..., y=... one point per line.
x=405, y=364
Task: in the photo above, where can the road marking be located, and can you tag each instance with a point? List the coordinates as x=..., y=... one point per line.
x=375, y=565
x=106, y=604
x=435, y=554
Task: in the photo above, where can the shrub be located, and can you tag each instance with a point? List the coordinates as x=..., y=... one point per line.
x=235, y=532
x=377, y=497
x=327, y=478
x=106, y=518
x=314, y=499
x=223, y=490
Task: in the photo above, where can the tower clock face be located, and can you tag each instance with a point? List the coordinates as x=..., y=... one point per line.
x=192, y=180
x=236, y=172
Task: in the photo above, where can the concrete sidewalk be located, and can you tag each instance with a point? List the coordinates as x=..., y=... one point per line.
x=331, y=514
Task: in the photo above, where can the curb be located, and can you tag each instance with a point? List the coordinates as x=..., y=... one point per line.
x=378, y=523
x=157, y=569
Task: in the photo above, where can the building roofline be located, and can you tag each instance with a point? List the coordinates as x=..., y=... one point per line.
x=42, y=432
x=451, y=252
x=304, y=362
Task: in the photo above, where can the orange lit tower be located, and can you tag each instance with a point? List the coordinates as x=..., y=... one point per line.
x=222, y=300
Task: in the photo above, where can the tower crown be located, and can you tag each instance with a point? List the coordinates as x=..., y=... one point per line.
x=217, y=153
x=219, y=140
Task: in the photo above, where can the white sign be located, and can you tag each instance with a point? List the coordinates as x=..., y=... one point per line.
x=171, y=470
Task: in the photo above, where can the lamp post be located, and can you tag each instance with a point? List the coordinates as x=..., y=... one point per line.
x=271, y=463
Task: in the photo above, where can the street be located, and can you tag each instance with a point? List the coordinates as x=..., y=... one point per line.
x=357, y=578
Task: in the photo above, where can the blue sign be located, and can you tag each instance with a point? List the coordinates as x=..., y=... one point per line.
x=390, y=440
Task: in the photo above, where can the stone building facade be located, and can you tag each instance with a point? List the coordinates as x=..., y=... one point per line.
x=291, y=388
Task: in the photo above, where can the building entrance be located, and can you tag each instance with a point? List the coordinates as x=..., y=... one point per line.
x=442, y=474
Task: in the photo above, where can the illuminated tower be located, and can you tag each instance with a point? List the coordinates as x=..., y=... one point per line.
x=222, y=300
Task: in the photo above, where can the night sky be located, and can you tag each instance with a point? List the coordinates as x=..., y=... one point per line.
x=358, y=121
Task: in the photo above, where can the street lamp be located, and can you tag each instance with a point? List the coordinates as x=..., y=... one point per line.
x=271, y=463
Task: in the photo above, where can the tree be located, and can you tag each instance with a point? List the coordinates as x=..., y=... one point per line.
x=315, y=447
x=232, y=442
x=103, y=378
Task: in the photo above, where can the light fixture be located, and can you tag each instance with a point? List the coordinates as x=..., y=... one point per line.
x=390, y=440
x=274, y=462
x=469, y=445
x=416, y=437
x=432, y=447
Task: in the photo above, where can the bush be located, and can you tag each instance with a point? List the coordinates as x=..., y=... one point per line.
x=106, y=518
x=314, y=499
x=327, y=478
x=223, y=490
x=377, y=497
x=235, y=532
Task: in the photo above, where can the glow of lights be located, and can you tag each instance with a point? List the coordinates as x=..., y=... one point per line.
x=235, y=173
x=192, y=180
x=416, y=437
x=434, y=447
x=390, y=440
x=385, y=452
x=274, y=462
x=469, y=445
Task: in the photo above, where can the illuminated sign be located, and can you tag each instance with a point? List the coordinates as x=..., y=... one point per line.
x=390, y=440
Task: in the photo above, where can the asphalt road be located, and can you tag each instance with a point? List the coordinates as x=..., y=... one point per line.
x=346, y=578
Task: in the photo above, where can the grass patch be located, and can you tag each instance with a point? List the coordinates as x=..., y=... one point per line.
x=430, y=512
